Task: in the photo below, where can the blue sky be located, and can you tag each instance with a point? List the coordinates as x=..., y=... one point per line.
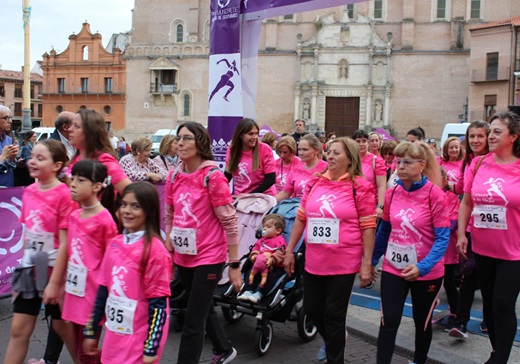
x=52, y=21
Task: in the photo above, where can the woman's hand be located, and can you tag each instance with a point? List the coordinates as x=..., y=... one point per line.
x=379, y=212
x=168, y=243
x=288, y=263
x=366, y=274
x=51, y=294
x=410, y=273
x=154, y=177
x=462, y=246
x=90, y=346
x=235, y=276
x=149, y=359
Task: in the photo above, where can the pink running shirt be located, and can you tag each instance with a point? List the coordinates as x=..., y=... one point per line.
x=113, y=167
x=87, y=241
x=193, y=208
x=244, y=179
x=300, y=175
x=496, y=207
x=413, y=216
x=283, y=171
x=453, y=169
x=121, y=274
x=452, y=256
x=329, y=201
x=46, y=212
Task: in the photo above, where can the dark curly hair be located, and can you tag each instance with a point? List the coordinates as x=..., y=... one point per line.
x=202, y=139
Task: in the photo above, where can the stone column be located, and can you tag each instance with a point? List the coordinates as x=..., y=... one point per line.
x=314, y=103
x=297, y=93
x=386, y=110
x=368, y=116
x=316, y=53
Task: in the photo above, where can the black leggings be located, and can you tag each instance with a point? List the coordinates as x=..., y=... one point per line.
x=326, y=300
x=394, y=290
x=500, y=286
x=450, y=287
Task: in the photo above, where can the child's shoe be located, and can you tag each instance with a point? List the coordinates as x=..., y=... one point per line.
x=255, y=297
x=244, y=296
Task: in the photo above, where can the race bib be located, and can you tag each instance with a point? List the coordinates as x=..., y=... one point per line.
x=322, y=231
x=401, y=256
x=490, y=217
x=184, y=240
x=37, y=242
x=76, y=279
x=119, y=312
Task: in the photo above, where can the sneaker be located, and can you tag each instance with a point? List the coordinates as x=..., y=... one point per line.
x=452, y=322
x=224, y=358
x=459, y=332
x=244, y=296
x=491, y=359
x=255, y=297
x=370, y=285
x=322, y=355
x=483, y=327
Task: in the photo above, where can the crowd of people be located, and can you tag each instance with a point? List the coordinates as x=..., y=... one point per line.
x=94, y=253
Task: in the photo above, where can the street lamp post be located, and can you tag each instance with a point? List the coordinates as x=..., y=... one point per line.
x=26, y=120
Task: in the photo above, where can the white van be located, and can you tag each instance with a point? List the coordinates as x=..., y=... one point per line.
x=453, y=129
x=43, y=133
x=157, y=137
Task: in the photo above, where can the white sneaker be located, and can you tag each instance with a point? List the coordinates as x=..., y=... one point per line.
x=244, y=296
x=255, y=297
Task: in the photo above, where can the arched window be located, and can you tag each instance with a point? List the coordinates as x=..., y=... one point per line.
x=186, y=105
x=180, y=33
x=85, y=53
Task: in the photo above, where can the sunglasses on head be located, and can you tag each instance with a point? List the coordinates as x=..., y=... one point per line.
x=430, y=140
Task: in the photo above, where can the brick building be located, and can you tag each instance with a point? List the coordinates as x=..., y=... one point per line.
x=85, y=75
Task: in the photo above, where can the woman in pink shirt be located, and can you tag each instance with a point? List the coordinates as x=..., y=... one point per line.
x=374, y=169
x=202, y=233
x=286, y=149
x=413, y=235
x=337, y=215
x=89, y=136
x=249, y=162
x=491, y=197
x=309, y=150
x=451, y=159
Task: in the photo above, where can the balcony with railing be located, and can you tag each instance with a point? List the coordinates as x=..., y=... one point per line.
x=499, y=74
x=159, y=88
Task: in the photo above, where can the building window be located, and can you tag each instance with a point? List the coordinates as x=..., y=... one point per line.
x=492, y=67
x=378, y=9
x=2, y=91
x=108, y=85
x=84, y=85
x=59, y=109
x=164, y=81
x=32, y=92
x=490, y=106
x=61, y=85
x=18, y=91
x=475, y=9
x=180, y=33
x=288, y=17
x=18, y=108
x=107, y=109
x=186, y=105
x=40, y=110
x=108, y=125
x=83, y=107
x=350, y=11
x=85, y=53
x=441, y=9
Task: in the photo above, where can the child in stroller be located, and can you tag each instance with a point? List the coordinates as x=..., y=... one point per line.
x=267, y=256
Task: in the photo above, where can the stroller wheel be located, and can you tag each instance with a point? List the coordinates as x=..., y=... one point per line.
x=263, y=338
x=231, y=316
x=306, y=328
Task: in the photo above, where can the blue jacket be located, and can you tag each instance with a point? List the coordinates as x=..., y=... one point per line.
x=6, y=168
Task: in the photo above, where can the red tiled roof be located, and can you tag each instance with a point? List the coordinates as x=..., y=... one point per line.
x=18, y=76
x=514, y=21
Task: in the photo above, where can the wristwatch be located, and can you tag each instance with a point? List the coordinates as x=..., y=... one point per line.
x=234, y=265
x=380, y=206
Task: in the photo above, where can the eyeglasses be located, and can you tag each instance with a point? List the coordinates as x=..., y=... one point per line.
x=7, y=117
x=408, y=162
x=184, y=138
x=430, y=140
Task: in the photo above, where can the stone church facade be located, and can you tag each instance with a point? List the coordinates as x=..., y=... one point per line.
x=394, y=64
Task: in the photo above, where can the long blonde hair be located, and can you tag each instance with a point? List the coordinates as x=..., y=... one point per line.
x=421, y=150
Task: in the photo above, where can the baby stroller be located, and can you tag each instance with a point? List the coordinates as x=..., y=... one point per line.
x=283, y=301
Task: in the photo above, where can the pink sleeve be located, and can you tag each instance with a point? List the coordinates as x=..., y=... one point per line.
x=365, y=198
x=380, y=167
x=158, y=272
x=110, y=232
x=289, y=184
x=66, y=206
x=114, y=169
x=303, y=203
x=386, y=209
x=453, y=204
x=256, y=247
x=218, y=188
x=168, y=198
x=439, y=208
x=459, y=187
x=267, y=159
x=105, y=269
x=469, y=175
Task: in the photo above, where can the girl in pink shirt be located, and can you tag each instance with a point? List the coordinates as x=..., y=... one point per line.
x=310, y=151
x=451, y=159
x=46, y=206
x=90, y=229
x=134, y=285
x=374, y=169
x=201, y=232
x=286, y=149
x=491, y=198
x=89, y=136
x=413, y=235
x=337, y=216
x=249, y=162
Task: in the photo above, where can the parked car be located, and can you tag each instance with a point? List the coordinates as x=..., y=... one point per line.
x=43, y=132
x=157, y=138
x=453, y=129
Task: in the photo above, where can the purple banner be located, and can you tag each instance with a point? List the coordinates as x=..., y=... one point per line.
x=11, y=236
